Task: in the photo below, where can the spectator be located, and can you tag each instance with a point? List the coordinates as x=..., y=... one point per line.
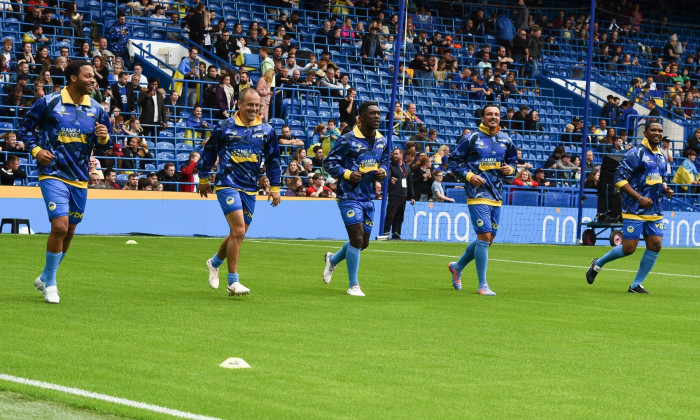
x=299, y=154
x=119, y=39
x=443, y=151
x=243, y=83
x=317, y=185
x=506, y=121
x=189, y=174
x=174, y=30
x=421, y=136
x=565, y=168
x=692, y=143
x=135, y=154
x=93, y=167
x=195, y=123
x=110, y=180
x=532, y=121
x=145, y=184
x=123, y=95
x=307, y=170
x=224, y=97
x=36, y=36
x=524, y=179
x=592, y=179
x=317, y=160
x=687, y=173
x=616, y=147
x=522, y=164
x=264, y=89
x=541, y=179
x=11, y=171
x=371, y=49
x=152, y=108
x=101, y=72
x=348, y=108
x=95, y=182
x=10, y=144
x=132, y=182
x=519, y=118
x=422, y=178
x=286, y=138
x=333, y=135
x=629, y=120
x=295, y=188
x=335, y=89
x=324, y=33
x=653, y=111
x=170, y=175
x=411, y=120
x=264, y=186
x=438, y=193
x=291, y=171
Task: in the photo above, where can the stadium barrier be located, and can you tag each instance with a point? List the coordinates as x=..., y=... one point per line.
x=177, y=214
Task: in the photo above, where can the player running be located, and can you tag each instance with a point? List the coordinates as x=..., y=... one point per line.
x=640, y=176
x=358, y=159
x=484, y=158
x=242, y=144
x=61, y=131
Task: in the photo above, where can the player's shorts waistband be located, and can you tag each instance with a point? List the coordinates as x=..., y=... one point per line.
x=642, y=217
x=224, y=187
x=77, y=184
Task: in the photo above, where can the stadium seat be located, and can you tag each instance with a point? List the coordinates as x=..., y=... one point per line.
x=556, y=199
x=525, y=197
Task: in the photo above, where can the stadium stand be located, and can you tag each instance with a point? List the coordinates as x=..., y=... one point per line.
x=457, y=57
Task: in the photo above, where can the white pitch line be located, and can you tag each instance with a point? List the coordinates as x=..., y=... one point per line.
x=491, y=259
x=103, y=397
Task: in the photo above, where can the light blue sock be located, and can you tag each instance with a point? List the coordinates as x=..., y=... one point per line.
x=481, y=256
x=467, y=257
x=62, y=257
x=215, y=261
x=353, y=262
x=612, y=255
x=645, y=265
x=53, y=260
x=232, y=278
x=340, y=255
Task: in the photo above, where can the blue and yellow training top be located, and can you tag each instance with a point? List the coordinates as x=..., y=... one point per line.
x=644, y=168
x=482, y=153
x=353, y=152
x=242, y=151
x=67, y=130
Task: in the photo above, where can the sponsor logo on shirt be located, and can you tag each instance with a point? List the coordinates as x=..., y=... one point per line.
x=489, y=163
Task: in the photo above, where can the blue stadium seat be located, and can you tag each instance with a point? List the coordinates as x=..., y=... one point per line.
x=458, y=194
x=122, y=179
x=165, y=145
x=556, y=199
x=525, y=197
x=184, y=146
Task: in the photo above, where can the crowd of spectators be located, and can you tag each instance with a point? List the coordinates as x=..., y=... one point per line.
x=496, y=72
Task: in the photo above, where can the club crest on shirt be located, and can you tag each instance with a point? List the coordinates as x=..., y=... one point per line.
x=630, y=229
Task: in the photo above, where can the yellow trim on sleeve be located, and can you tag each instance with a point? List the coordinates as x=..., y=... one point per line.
x=274, y=189
x=78, y=184
x=510, y=170
x=346, y=174
x=36, y=150
x=203, y=181
x=642, y=217
x=103, y=140
x=621, y=184
x=488, y=202
x=469, y=176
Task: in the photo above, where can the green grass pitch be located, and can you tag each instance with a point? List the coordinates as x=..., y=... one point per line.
x=140, y=322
